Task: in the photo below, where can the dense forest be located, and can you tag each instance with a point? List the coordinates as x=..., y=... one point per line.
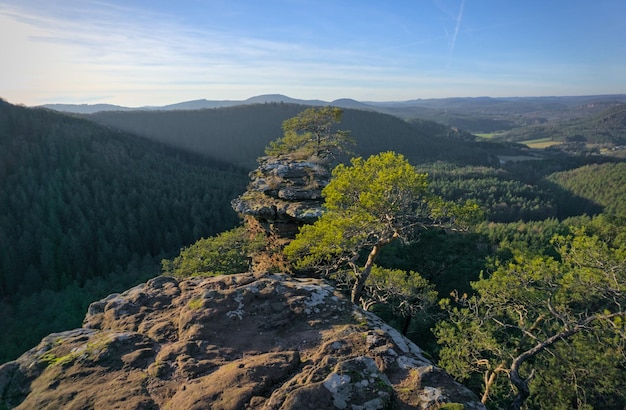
x=79, y=201
x=239, y=134
x=89, y=205
x=604, y=184
x=519, y=291
x=608, y=127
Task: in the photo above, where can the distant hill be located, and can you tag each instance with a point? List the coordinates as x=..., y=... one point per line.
x=478, y=115
x=350, y=103
x=193, y=105
x=607, y=126
x=279, y=98
x=604, y=184
x=185, y=105
x=486, y=114
x=238, y=135
x=86, y=108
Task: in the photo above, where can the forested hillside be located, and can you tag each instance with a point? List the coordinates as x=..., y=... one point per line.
x=89, y=209
x=607, y=127
x=528, y=191
x=239, y=134
x=603, y=184
x=79, y=201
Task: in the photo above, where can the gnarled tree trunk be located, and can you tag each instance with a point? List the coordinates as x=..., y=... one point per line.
x=362, y=276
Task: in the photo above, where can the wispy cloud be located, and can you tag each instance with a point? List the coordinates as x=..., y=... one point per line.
x=117, y=49
x=152, y=53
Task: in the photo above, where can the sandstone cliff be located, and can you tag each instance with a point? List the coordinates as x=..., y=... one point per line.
x=247, y=341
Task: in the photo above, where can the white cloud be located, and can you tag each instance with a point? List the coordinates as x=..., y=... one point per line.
x=96, y=51
x=113, y=49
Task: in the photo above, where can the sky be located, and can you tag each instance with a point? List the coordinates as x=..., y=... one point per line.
x=158, y=52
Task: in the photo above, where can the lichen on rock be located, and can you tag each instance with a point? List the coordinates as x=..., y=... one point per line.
x=293, y=343
x=284, y=190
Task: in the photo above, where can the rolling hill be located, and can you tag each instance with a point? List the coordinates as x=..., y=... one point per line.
x=606, y=127
x=86, y=208
x=239, y=134
x=475, y=114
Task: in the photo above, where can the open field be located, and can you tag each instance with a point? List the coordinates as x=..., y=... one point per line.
x=488, y=136
x=539, y=143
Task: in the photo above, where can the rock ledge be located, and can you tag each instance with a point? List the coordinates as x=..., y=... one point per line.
x=246, y=341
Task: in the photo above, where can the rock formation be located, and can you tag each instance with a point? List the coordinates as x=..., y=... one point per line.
x=284, y=194
x=246, y=341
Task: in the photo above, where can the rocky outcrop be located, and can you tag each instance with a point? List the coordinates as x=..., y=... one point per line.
x=284, y=193
x=247, y=341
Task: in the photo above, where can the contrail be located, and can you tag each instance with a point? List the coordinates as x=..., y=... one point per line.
x=459, y=18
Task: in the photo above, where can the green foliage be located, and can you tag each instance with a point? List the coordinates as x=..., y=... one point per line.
x=226, y=253
x=407, y=293
x=384, y=184
x=369, y=204
x=584, y=373
x=80, y=201
x=448, y=259
x=310, y=133
x=533, y=237
x=24, y=322
x=502, y=193
x=535, y=304
x=196, y=303
x=604, y=184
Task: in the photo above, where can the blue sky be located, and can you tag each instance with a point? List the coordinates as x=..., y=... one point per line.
x=156, y=52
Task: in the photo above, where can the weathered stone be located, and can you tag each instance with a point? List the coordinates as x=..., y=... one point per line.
x=285, y=190
x=267, y=341
x=284, y=193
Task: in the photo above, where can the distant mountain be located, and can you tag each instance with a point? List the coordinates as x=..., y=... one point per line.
x=279, y=98
x=86, y=108
x=350, y=103
x=459, y=112
x=197, y=105
x=509, y=105
x=239, y=134
x=474, y=114
x=185, y=105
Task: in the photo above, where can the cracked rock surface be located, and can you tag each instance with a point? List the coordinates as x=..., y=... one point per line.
x=246, y=341
x=284, y=191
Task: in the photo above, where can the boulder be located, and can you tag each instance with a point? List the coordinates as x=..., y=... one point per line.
x=246, y=341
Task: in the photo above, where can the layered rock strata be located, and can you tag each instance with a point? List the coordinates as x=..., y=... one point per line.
x=284, y=194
